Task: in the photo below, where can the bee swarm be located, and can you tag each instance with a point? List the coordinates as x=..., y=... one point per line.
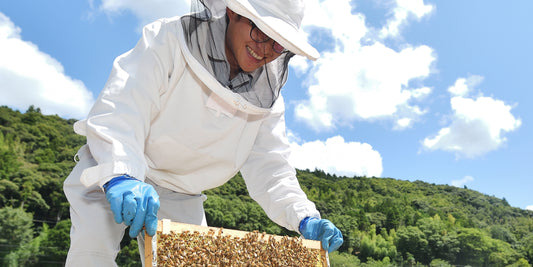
x=218, y=248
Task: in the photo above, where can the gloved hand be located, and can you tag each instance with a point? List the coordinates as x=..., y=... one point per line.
x=322, y=230
x=133, y=202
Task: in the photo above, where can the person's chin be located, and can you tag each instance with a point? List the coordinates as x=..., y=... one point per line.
x=251, y=65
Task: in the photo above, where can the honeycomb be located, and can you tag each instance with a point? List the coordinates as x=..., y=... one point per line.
x=178, y=244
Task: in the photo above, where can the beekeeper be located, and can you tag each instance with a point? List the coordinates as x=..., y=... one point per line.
x=194, y=102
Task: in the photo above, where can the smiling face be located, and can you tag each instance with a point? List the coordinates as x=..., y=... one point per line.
x=242, y=52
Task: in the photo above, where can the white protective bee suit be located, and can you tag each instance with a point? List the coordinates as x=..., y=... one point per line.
x=165, y=120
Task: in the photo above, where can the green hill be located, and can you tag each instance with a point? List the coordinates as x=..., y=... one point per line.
x=385, y=222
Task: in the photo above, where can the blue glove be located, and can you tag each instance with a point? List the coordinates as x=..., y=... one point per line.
x=322, y=230
x=133, y=202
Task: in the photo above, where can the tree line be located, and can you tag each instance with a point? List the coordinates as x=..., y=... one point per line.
x=385, y=221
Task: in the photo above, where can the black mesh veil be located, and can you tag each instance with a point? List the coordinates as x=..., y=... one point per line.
x=205, y=30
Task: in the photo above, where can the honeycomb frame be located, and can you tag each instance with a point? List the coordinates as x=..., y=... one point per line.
x=165, y=228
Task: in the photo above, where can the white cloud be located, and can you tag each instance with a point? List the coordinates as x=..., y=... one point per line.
x=460, y=183
x=529, y=207
x=363, y=79
x=404, y=122
x=478, y=124
x=31, y=77
x=463, y=86
x=421, y=92
x=335, y=16
x=147, y=11
x=300, y=64
x=402, y=11
x=336, y=156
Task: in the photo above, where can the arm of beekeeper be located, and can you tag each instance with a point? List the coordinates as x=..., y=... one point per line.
x=119, y=121
x=271, y=180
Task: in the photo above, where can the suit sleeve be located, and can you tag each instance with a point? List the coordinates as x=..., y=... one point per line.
x=271, y=180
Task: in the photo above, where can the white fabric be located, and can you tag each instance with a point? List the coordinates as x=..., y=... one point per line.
x=163, y=117
x=95, y=237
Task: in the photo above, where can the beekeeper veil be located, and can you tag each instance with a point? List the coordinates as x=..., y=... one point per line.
x=205, y=30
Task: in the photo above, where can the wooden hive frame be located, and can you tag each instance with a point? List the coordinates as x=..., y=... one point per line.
x=165, y=227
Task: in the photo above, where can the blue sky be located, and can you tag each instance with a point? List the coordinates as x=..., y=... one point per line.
x=437, y=91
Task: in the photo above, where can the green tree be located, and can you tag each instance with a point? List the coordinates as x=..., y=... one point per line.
x=55, y=247
x=520, y=263
x=8, y=159
x=474, y=247
x=376, y=246
x=442, y=242
x=526, y=247
x=129, y=253
x=337, y=259
x=412, y=241
x=15, y=232
x=439, y=263
x=502, y=233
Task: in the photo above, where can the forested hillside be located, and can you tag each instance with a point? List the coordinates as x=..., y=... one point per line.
x=385, y=222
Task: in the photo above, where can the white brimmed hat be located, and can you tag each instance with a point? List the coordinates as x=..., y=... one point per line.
x=280, y=20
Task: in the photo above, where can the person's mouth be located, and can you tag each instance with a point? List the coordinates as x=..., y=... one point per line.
x=253, y=53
